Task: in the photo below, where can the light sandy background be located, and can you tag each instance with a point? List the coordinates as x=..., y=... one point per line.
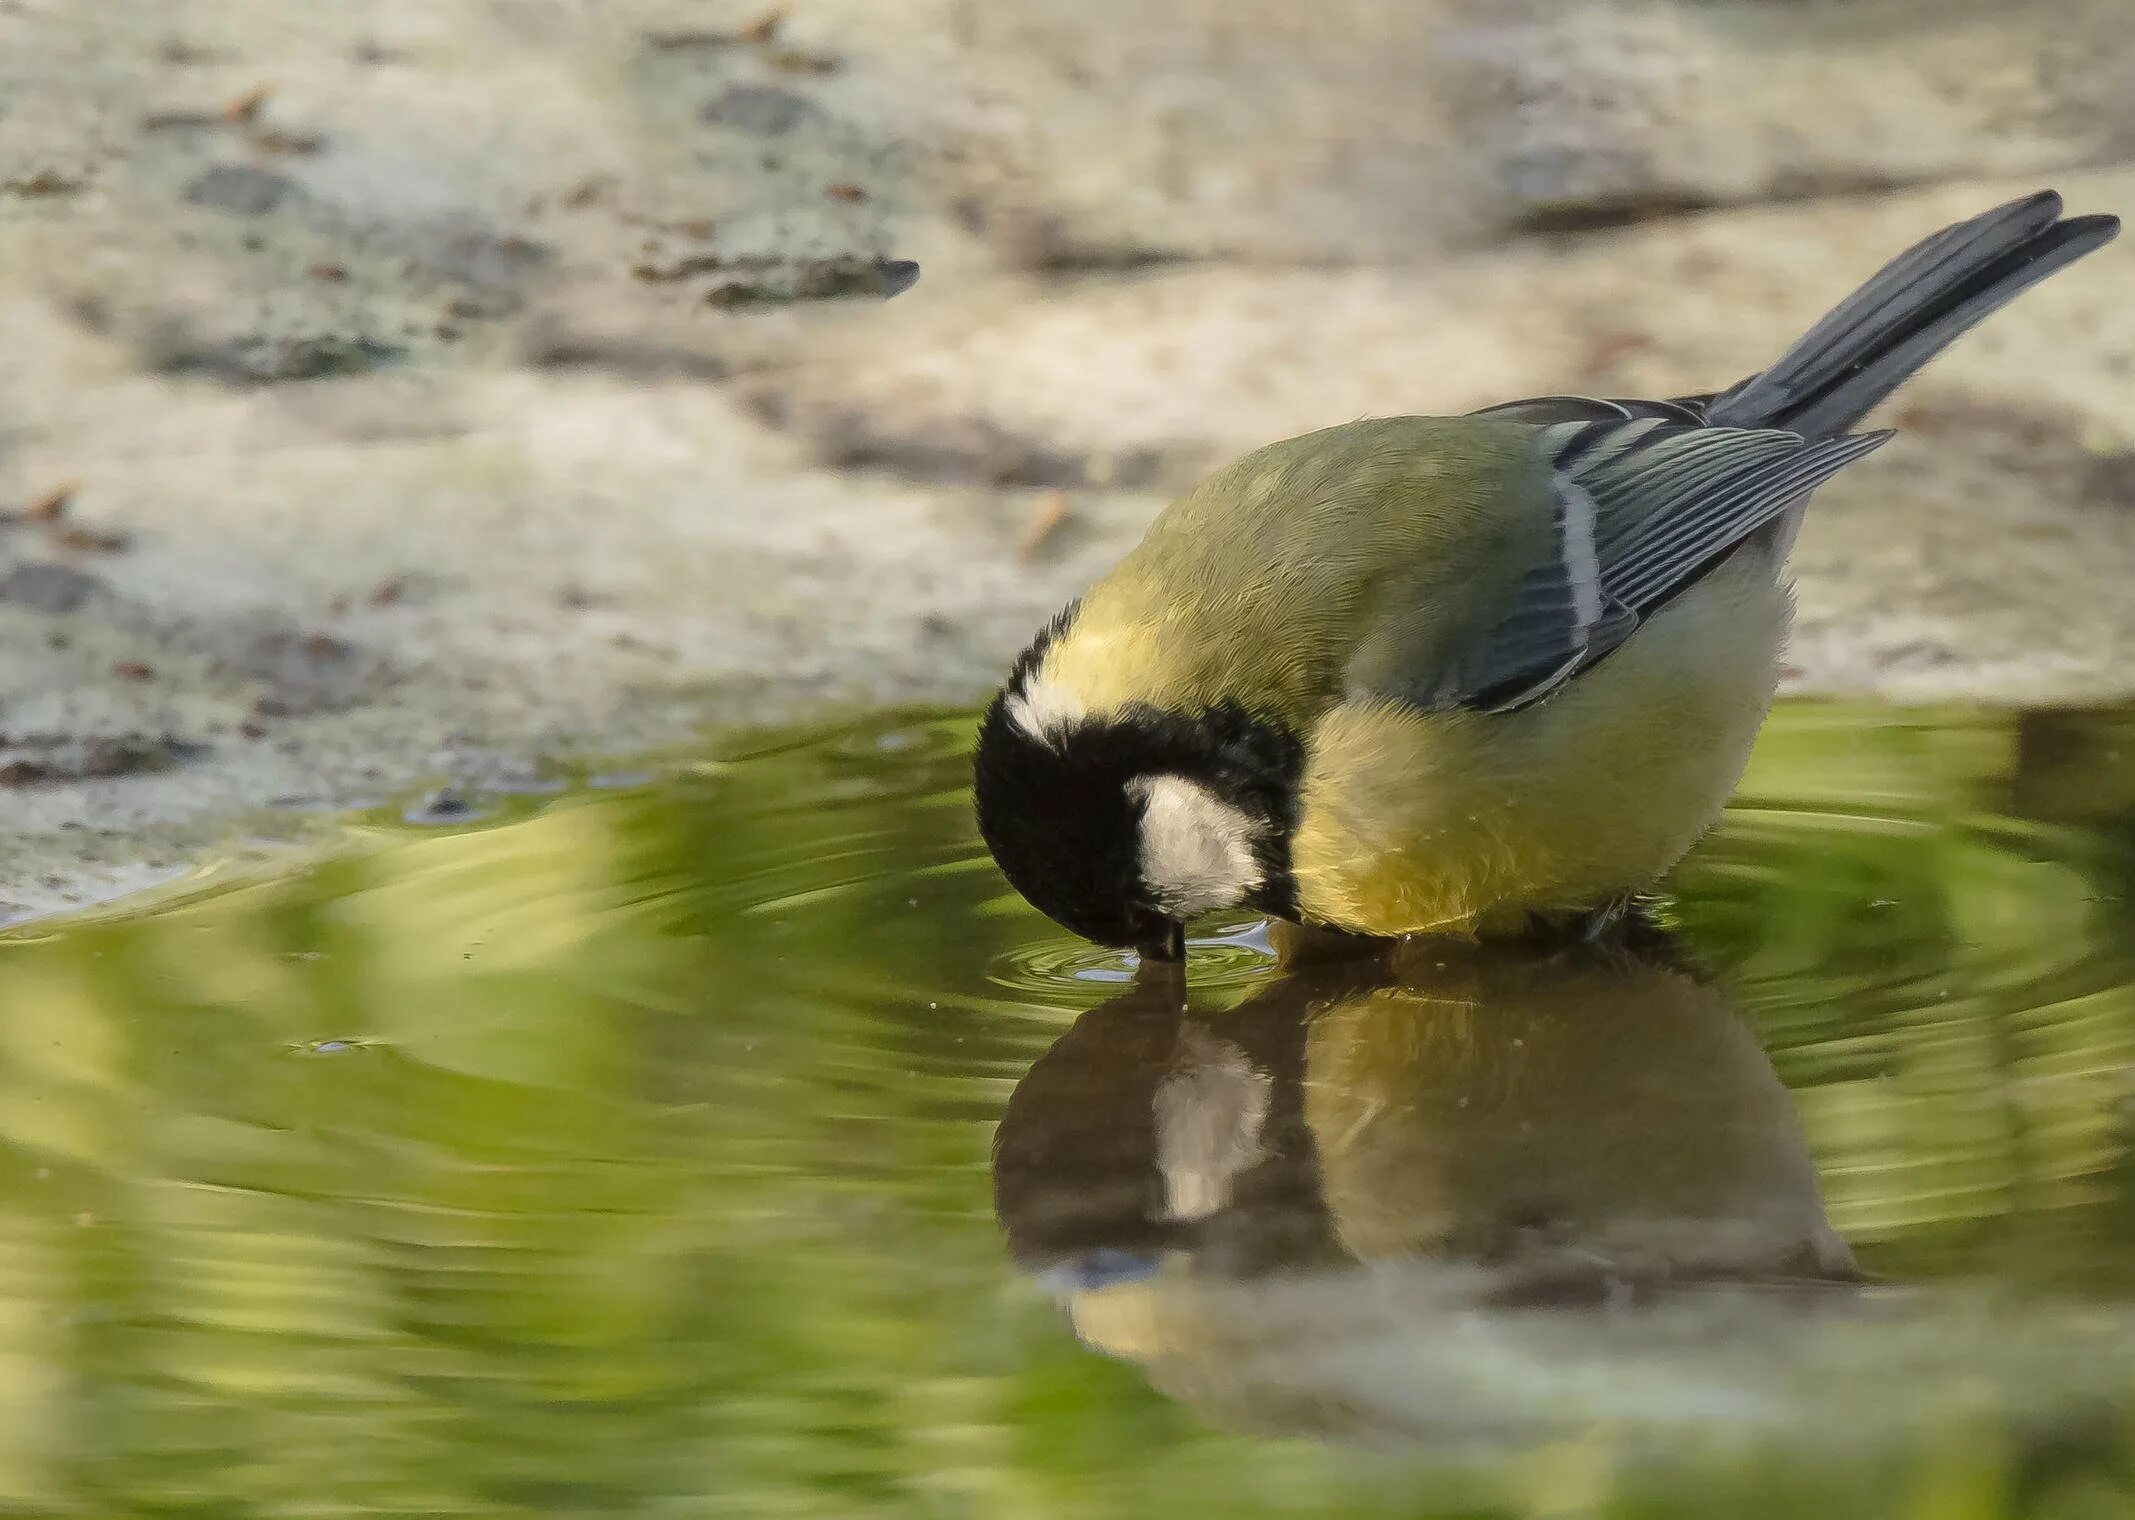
x=440, y=390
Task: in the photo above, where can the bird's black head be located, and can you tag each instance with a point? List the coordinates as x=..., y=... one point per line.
x=1124, y=826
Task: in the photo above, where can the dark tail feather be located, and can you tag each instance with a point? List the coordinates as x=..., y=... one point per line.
x=1916, y=306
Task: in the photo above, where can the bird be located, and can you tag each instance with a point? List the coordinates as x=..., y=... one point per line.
x=1479, y=676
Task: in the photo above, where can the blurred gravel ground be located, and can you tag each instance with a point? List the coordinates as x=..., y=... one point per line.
x=421, y=393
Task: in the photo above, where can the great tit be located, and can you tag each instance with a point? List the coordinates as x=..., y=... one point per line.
x=1466, y=675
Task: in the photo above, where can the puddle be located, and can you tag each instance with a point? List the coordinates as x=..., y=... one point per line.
x=733, y=1145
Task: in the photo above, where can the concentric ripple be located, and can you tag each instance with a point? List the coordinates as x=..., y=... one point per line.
x=1223, y=960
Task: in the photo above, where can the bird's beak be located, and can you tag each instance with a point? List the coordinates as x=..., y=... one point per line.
x=1166, y=947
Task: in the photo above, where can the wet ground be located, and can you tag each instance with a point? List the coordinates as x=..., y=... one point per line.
x=728, y=1142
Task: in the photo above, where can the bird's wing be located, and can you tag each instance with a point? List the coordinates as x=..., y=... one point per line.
x=1640, y=506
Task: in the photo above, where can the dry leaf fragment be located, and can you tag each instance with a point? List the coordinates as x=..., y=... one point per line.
x=52, y=506
x=245, y=109
x=794, y=61
x=1045, y=521
x=288, y=144
x=88, y=540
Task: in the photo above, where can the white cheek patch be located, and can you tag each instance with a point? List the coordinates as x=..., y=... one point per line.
x=1196, y=849
x=1045, y=710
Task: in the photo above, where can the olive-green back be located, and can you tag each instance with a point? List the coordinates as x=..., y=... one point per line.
x=1356, y=555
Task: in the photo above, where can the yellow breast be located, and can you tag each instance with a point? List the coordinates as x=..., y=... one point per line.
x=1470, y=822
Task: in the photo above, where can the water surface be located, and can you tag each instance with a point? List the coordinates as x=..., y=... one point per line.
x=735, y=1145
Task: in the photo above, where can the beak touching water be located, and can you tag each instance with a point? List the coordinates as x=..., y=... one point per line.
x=1167, y=946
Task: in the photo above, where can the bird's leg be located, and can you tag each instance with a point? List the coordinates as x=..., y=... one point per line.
x=1566, y=929
x=1298, y=945
x=1604, y=921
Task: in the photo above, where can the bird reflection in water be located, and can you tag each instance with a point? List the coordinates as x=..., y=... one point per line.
x=1288, y=1211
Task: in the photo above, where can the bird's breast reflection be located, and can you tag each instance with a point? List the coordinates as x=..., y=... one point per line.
x=1268, y=1205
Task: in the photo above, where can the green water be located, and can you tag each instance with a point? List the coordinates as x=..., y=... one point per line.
x=634, y=1152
